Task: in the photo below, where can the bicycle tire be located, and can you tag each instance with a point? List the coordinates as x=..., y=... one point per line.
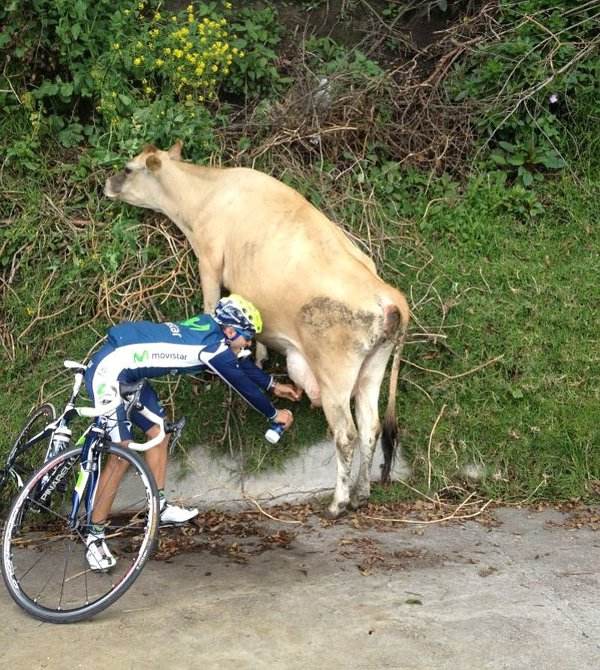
x=32, y=425
x=33, y=539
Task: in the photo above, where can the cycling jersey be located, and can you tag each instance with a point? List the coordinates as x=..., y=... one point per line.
x=141, y=349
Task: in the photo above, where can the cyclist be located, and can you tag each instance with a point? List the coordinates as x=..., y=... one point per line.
x=142, y=349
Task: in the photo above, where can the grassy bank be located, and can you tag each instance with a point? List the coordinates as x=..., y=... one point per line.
x=496, y=247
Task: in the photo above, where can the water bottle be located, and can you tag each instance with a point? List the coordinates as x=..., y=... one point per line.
x=273, y=435
x=61, y=439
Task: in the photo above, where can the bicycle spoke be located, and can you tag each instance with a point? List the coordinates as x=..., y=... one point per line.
x=46, y=569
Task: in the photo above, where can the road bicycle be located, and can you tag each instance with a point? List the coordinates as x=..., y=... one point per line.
x=43, y=543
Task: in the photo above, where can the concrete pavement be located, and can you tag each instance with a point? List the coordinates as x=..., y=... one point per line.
x=522, y=593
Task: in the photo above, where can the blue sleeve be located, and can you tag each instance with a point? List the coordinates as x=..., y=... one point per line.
x=225, y=364
x=258, y=376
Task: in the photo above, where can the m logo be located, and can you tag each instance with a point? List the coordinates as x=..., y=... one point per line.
x=140, y=357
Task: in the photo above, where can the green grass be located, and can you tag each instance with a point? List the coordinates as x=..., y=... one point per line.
x=506, y=275
x=523, y=290
x=531, y=419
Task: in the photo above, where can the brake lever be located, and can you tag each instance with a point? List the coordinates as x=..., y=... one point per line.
x=175, y=429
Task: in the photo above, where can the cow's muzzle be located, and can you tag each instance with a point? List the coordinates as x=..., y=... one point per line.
x=113, y=186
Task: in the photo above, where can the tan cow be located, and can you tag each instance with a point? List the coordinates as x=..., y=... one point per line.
x=322, y=303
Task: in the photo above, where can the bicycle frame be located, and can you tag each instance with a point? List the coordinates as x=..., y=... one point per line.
x=89, y=470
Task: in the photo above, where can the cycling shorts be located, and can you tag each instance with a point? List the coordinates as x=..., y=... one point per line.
x=102, y=384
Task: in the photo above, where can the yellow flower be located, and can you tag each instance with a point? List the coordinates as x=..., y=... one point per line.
x=157, y=16
x=190, y=8
x=138, y=45
x=126, y=12
x=167, y=51
x=174, y=19
x=138, y=60
x=214, y=68
x=141, y=5
x=116, y=46
x=114, y=94
x=188, y=96
x=159, y=62
x=227, y=5
x=191, y=18
x=235, y=50
x=178, y=53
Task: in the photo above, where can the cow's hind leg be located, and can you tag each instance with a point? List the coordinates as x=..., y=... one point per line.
x=367, y=417
x=337, y=410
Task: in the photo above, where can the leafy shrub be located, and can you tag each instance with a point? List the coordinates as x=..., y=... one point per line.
x=528, y=80
x=118, y=77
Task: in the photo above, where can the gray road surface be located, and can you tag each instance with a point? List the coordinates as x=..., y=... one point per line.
x=522, y=594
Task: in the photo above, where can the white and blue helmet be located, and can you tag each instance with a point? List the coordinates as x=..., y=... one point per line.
x=240, y=314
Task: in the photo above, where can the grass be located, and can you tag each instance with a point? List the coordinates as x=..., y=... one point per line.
x=506, y=276
x=530, y=420
x=523, y=294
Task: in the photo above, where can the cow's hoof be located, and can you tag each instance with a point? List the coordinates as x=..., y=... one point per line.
x=356, y=502
x=334, y=511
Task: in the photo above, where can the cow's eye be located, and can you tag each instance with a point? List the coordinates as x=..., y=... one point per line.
x=127, y=170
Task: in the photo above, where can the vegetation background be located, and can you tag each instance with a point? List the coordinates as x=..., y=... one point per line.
x=456, y=142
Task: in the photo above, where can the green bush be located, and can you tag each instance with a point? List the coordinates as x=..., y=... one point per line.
x=529, y=82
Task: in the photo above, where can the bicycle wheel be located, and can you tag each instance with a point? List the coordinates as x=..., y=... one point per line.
x=20, y=465
x=43, y=558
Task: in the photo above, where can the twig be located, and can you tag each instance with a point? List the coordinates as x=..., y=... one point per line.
x=262, y=511
x=439, y=416
x=450, y=517
x=462, y=374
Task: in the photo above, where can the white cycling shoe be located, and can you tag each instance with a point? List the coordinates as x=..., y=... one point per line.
x=173, y=515
x=98, y=554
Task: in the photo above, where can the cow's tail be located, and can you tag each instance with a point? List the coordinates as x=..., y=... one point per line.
x=389, y=433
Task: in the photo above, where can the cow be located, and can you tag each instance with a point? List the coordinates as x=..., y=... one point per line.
x=323, y=305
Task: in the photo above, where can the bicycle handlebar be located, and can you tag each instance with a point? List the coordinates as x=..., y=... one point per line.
x=109, y=408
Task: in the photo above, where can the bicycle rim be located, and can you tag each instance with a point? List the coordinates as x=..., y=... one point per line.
x=43, y=560
x=31, y=459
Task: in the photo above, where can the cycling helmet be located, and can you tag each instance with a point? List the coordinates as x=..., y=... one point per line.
x=238, y=313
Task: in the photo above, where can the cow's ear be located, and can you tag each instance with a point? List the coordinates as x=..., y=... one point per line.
x=175, y=151
x=153, y=163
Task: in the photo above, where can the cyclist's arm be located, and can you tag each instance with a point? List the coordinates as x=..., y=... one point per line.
x=258, y=376
x=225, y=364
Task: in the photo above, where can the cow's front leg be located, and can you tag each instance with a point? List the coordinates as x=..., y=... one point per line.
x=210, y=277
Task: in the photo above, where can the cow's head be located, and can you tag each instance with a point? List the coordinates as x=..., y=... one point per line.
x=140, y=182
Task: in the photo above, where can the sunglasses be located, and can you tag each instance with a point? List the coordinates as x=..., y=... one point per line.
x=246, y=334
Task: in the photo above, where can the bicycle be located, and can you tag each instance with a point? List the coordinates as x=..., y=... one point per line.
x=43, y=542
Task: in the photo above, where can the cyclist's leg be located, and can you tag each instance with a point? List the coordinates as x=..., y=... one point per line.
x=102, y=383
x=156, y=457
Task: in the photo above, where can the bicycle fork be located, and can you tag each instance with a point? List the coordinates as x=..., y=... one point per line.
x=87, y=478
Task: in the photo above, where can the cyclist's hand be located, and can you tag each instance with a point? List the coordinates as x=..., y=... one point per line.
x=284, y=417
x=287, y=391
